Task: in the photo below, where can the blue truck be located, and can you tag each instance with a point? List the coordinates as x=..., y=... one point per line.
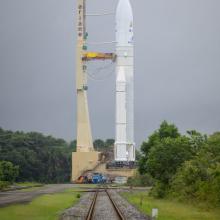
x=98, y=178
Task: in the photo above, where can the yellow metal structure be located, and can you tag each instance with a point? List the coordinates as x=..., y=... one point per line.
x=98, y=56
x=85, y=158
x=84, y=135
x=82, y=162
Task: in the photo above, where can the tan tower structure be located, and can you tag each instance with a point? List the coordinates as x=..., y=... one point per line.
x=84, y=136
x=85, y=158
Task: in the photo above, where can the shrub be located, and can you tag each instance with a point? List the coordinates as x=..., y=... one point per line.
x=8, y=172
x=140, y=180
x=198, y=180
x=4, y=184
x=159, y=190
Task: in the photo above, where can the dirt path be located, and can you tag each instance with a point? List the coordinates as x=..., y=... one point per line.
x=13, y=197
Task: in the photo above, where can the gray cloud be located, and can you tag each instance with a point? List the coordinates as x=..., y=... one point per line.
x=177, y=68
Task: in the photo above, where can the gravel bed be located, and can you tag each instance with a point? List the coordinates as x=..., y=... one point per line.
x=104, y=210
x=80, y=210
x=128, y=210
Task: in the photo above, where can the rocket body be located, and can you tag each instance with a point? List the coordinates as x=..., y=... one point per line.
x=124, y=141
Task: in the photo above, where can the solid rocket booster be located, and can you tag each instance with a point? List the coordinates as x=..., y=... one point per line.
x=124, y=144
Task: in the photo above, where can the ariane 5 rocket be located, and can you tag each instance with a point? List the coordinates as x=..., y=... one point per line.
x=124, y=141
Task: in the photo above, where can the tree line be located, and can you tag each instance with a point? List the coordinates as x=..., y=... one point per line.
x=37, y=157
x=185, y=167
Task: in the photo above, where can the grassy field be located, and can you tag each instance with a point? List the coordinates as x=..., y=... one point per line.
x=31, y=186
x=28, y=184
x=170, y=210
x=47, y=207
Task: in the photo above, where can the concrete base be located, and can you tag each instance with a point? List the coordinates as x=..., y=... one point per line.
x=115, y=172
x=82, y=162
x=122, y=172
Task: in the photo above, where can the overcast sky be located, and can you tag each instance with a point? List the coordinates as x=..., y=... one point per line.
x=177, y=66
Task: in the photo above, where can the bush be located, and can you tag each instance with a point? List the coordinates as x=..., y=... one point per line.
x=140, y=180
x=8, y=172
x=198, y=180
x=4, y=184
x=165, y=158
x=159, y=190
x=186, y=167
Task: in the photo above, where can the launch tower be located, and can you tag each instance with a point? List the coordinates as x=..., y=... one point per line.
x=86, y=158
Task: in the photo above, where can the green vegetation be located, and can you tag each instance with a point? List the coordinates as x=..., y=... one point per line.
x=101, y=145
x=199, y=178
x=140, y=180
x=8, y=174
x=31, y=189
x=186, y=167
x=170, y=210
x=47, y=207
x=29, y=184
x=40, y=158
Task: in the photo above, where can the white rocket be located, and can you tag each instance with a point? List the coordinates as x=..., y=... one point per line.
x=124, y=143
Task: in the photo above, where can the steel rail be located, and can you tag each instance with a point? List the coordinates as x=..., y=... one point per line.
x=115, y=206
x=93, y=204
x=92, y=207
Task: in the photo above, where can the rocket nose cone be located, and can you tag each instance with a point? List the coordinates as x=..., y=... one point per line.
x=124, y=23
x=124, y=6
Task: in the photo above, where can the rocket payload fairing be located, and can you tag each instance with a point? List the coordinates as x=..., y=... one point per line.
x=124, y=143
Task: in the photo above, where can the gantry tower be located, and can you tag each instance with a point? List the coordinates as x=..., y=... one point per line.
x=85, y=158
x=84, y=134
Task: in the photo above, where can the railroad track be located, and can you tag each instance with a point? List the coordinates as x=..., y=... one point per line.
x=91, y=213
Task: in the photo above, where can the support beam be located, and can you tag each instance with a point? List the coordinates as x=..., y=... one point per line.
x=89, y=56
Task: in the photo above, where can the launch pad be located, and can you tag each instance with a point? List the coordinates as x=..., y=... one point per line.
x=84, y=161
x=86, y=158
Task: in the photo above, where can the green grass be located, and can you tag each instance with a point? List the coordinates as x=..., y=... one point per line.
x=170, y=210
x=31, y=189
x=86, y=185
x=46, y=207
x=28, y=184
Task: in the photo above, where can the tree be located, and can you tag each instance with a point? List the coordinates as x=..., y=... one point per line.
x=165, y=131
x=109, y=143
x=168, y=130
x=8, y=172
x=213, y=145
x=162, y=154
x=197, y=140
x=138, y=155
x=73, y=145
x=165, y=158
x=199, y=178
x=40, y=158
x=99, y=144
